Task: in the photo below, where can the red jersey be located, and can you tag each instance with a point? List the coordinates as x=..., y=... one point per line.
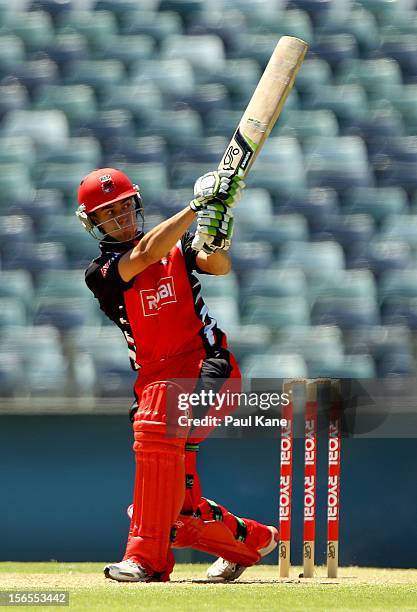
x=160, y=311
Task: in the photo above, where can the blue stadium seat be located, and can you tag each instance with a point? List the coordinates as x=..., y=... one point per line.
x=310, y=341
x=375, y=75
x=171, y=76
x=257, y=46
x=12, y=312
x=224, y=309
x=396, y=164
x=255, y=207
x=348, y=102
x=276, y=312
x=222, y=122
x=335, y=48
x=141, y=100
x=403, y=99
x=314, y=258
x=146, y=149
x=379, y=340
x=17, y=284
x=78, y=102
x=36, y=72
x=315, y=204
x=44, y=127
x=220, y=286
x=273, y=283
x=99, y=74
x=397, y=365
x=400, y=311
x=380, y=255
x=108, y=126
x=15, y=230
x=117, y=7
x=239, y=76
x=62, y=283
x=274, y=366
x=378, y=127
x=201, y=51
x=96, y=26
x=35, y=28
x=64, y=177
x=205, y=99
x=340, y=163
x=47, y=375
x=280, y=168
x=84, y=150
x=17, y=150
x=27, y=341
x=13, y=96
x=384, y=10
x=65, y=313
x=403, y=48
x=127, y=48
x=248, y=256
x=207, y=150
x=400, y=228
x=53, y=7
x=401, y=283
x=36, y=257
x=358, y=22
x=276, y=231
x=348, y=366
x=377, y=202
x=12, y=52
x=248, y=339
x=187, y=9
x=67, y=47
x=346, y=283
x=79, y=246
x=347, y=230
x=289, y=22
x=15, y=183
x=345, y=312
x=11, y=375
x=314, y=73
x=228, y=25
x=318, y=10
x=157, y=24
x=304, y=124
x=41, y=203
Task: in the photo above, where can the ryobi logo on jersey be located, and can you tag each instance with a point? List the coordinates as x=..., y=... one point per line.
x=154, y=299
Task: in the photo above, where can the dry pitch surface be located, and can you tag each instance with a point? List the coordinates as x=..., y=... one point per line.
x=258, y=589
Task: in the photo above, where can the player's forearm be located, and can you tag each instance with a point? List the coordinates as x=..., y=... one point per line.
x=160, y=239
x=218, y=263
x=155, y=244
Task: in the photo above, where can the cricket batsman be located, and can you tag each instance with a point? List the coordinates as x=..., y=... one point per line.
x=145, y=283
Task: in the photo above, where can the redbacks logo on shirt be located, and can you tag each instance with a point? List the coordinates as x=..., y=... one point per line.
x=154, y=299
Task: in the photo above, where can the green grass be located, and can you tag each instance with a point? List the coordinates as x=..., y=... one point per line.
x=258, y=589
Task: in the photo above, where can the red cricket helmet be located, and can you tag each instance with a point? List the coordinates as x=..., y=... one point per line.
x=101, y=188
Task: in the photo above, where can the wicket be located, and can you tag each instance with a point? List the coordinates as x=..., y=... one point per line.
x=310, y=477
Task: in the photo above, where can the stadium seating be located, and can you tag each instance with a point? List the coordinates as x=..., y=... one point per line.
x=325, y=239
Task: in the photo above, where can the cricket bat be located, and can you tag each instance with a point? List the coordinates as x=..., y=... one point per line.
x=265, y=105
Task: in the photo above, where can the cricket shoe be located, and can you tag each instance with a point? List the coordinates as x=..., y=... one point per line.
x=226, y=571
x=129, y=571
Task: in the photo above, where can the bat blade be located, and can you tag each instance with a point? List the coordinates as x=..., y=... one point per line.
x=265, y=105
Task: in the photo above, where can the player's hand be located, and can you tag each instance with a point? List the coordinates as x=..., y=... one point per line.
x=214, y=228
x=217, y=185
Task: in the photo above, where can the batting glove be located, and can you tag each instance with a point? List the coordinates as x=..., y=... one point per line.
x=222, y=185
x=214, y=228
